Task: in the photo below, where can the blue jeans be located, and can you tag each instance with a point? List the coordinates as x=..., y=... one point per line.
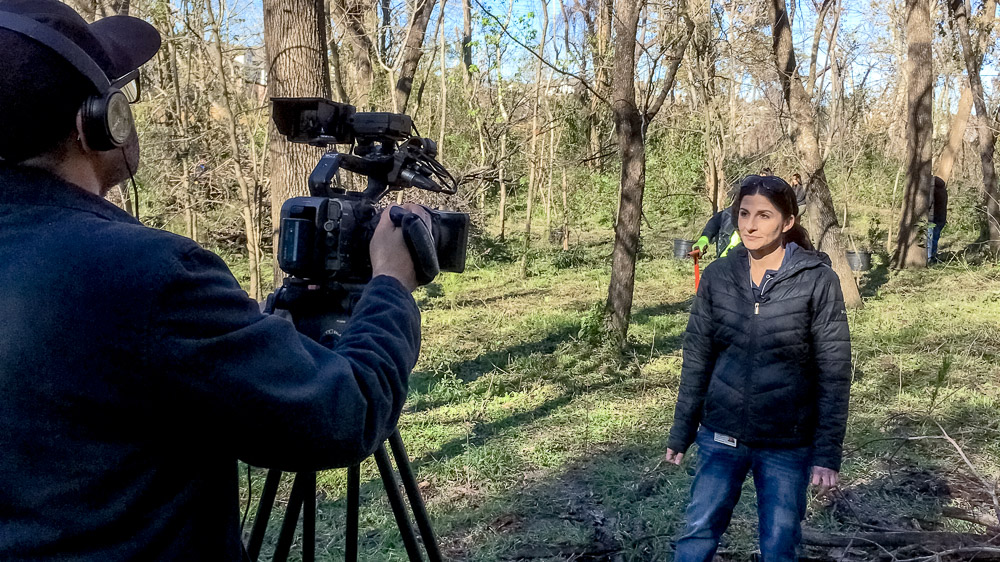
x=933, y=235
x=780, y=476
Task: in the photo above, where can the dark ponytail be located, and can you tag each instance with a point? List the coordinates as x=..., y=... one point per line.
x=799, y=235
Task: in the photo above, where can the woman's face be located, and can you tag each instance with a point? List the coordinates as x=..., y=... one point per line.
x=761, y=224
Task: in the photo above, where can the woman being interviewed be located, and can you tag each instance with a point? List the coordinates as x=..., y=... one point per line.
x=766, y=375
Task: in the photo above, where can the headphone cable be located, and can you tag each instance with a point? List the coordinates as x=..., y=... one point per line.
x=135, y=188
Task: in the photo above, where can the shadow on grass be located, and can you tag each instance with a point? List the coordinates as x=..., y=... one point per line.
x=436, y=302
x=471, y=369
x=617, y=504
x=874, y=280
x=644, y=315
x=482, y=432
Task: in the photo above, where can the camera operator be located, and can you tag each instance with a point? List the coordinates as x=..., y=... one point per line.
x=134, y=371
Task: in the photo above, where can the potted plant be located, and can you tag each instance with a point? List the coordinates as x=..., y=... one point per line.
x=860, y=259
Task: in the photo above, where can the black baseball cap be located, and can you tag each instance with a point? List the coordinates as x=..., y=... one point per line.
x=118, y=44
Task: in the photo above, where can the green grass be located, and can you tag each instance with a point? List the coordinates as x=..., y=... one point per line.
x=531, y=442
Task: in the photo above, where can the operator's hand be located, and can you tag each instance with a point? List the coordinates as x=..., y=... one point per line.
x=825, y=478
x=388, y=251
x=673, y=456
x=701, y=245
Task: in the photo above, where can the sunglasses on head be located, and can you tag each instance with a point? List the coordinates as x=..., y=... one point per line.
x=770, y=183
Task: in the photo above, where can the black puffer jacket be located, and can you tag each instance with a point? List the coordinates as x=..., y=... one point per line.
x=773, y=371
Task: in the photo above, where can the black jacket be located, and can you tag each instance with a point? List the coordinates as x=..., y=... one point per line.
x=937, y=208
x=134, y=372
x=773, y=371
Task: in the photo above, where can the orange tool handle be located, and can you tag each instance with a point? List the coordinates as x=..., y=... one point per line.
x=697, y=271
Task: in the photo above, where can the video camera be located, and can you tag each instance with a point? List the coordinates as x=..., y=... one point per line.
x=325, y=237
x=323, y=246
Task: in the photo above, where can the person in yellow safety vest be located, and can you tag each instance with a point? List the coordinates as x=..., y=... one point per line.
x=720, y=229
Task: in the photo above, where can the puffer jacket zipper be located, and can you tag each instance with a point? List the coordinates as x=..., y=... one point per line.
x=752, y=348
x=758, y=299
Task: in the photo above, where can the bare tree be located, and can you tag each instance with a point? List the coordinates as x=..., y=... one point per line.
x=632, y=150
x=412, y=51
x=987, y=134
x=249, y=208
x=823, y=223
x=956, y=133
x=295, y=42
x=956, y=130
x=466, y=41
x=535, y=160
x=350, y=14
x=919, y=133
x=631, y=124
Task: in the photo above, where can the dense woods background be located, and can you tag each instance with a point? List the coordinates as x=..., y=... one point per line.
x=565, y=118
x=587, y=135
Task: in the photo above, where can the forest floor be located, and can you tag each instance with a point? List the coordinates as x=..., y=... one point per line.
x=531, y=442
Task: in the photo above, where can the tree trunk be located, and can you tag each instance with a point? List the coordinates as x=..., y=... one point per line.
x=602, y=41
x=632, y=150
x=339, y=79
x=817, y=36
x=350, y=14
x=565, y=202
x=987, y=135
x=956, y=133
x=919, y=134
x=502, y=162
x=443, y=83
x=534, y=158
x=295, y=43
x=412, y=50
x=503, y=185
x=823, y=224
x=179, y=123
x=466, y=42
x=550, y=169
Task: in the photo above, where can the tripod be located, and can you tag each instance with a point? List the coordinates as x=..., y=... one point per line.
x=334, y=304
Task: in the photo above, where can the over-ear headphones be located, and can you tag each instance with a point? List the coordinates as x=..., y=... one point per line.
x=107, y=117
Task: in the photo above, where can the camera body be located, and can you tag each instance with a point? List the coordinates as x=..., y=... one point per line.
x=324, y=238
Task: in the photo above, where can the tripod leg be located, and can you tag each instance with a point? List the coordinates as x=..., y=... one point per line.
x=263, y=514
x=309, y=519
x=353, y=500
x=413, y=493
x=291, y=517
x=396, y=502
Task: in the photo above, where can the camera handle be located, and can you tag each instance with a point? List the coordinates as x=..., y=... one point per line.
x=321, y=313
x=419, y=241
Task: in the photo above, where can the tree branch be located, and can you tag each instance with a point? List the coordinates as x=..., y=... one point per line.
x=583, y=81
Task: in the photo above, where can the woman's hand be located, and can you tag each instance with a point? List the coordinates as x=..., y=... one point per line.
x=825, y=478
x=673, y=456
